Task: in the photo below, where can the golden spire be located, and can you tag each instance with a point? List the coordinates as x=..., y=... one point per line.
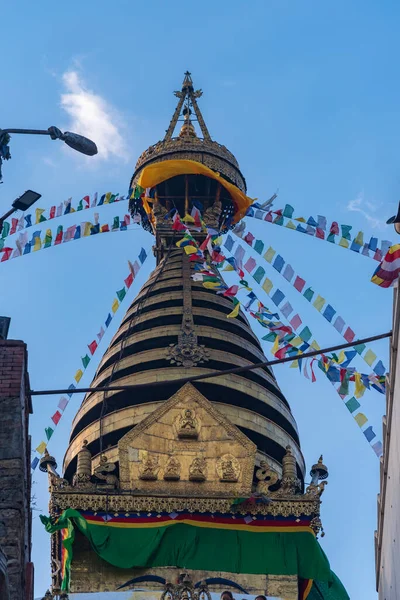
x=188, y=97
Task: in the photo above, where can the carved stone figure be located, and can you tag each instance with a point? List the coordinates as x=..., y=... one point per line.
x=149, y=468
x=228, y=468
x=172, y=471
x=213, y=214
x=198, y=469
x=159, y=211
x=267, y=477
x=188, y=425
x=105, y=472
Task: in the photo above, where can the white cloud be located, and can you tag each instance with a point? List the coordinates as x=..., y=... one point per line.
x=367, y=209
x=93, y=117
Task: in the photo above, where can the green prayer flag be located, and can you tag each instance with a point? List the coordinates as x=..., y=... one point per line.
x=85, y=361
x=360, y=348
x=353, y=404
x=305, y=334
x=115, y=224
x=48, y=238
x=308, y=294
x=259, y=274
x=270, y=337
x=42, y=218
x=2, y=242
x=346, y=231
x=49, y=432
x=6, y=229
x=331, y=238
x=80, y=205
x=344, y=386
x=259, y=246
x=288, y=211
x=121, y=294
x=138, y=191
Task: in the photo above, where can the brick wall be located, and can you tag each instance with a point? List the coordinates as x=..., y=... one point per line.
x=15, y=483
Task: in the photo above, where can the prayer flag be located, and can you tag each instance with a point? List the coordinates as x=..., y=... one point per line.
x=343, y=242
x=373, y=244
x=104, y=228
x=49, y=432
x=250, y=264
x=121, y=294
x=334, y=228
x=319, y=303
x=258, y=274
x=269, y=255
x=77, y=232
x=288, y=272
x=275, y=346
x=288, y=211
x=34, y=463
x=331, y=238
x=370, y=357
x=296, y=322
x=378, y=448
x=346, y=231
x=321, y=222
x=249, y=238
x=41, y=448
x=267, y=285
x=349, y=335
x=28, y=219
x=229, y=243
x=259, y=246
x=277, y=297
x=319, y=234
x=360, y=419
x=312, y=222
x=115, y=224
x=56, y=417
x=359, y=388
x=142, y=255
x=290, y=225
x=379, y=368
x=359, y=239
x=231, y=291
x=71, y=387
x=48, y=238
x=14, y=224
x=329, y=312
x=278, y=263
x=305, y=334
x=67, y=204
x=39, y=215
x=92, y=347
x=287, y=309
x=308, y=294
x=339, y=324
x=109, y=319
x=239, y=254
x=114, y=306
x=129, y=280
x=85, y=361
x=299, y=284
x=236, y=309
x=78, y=375
x=349, y=354
x=63, y=403
x=353, y=404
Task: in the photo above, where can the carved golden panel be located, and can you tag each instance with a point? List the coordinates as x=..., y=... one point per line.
x=145, y=452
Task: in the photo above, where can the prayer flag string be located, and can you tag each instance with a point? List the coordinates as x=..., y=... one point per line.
x=85, y=360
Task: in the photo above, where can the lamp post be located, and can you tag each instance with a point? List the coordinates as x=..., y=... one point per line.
x=22, y=203
x=73, y=140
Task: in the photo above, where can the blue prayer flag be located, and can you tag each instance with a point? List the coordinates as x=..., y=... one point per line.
x=277, y=297
x=71, y=387
x=311, y=221
x=301, y=228
x=373, y=244
x=229, y=243
x=329, y=312
x=379, y=368
x=34, y=463
x=369, y=433
x=101, y=200
x=77, y=232
x=278, y=263
x=108, y=320
x=142, y=255
x=28, y=219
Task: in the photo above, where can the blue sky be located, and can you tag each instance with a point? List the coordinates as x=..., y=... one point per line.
x=305, y=94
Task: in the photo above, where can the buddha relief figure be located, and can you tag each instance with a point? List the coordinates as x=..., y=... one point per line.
x=149, y=468
x=228, y=468
x=198, y=469
x=188, y=425
x=172, y=471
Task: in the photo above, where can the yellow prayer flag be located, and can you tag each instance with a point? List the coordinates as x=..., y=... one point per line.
x=115, y=305
x=341, y=357
x=344, y=243
x=88, y=227
x=359, y=239
x=37, y=244
x=359, y=386
x=107, y=198
x=361, y=419
x=188, y=219
x=218, y=241
x=211, y=285
x=370, y=357
x=290, y=225
x=315, y=345
x=78, y=375
x=41, y=448
x=235, y=311
x=267, y=285
x=72, y=210
x=319, y=303
x=297, y=341
x=294, y=364
x=228, y=268
x=190, y=249
x=301, y=219
x=275, y=346
x=269, y=255
x=38, y=213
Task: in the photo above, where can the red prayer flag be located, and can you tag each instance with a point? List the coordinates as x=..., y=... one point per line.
x=334, y=228
x=87, y=201
x=6, y=254
x=313, y=378
x=299, y=283
x=349, y=335
x=231, y=291
x=92, y=347
x=129, y=280
x=248, y=238
x=320, y=233
x=282, y=352
x=250, y=264
x=14, y=223
x=127, y=219
x=177, y=224
x=378, y=255
x=296, y=322
x=268, y=217
x=56, y=417
x=52, y=212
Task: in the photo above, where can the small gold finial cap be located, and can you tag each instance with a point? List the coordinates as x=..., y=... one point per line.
x=319, y=469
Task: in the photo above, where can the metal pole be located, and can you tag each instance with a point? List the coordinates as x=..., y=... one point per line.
x=234, y=371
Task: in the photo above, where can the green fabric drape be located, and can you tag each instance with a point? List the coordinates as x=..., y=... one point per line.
x=200, y=548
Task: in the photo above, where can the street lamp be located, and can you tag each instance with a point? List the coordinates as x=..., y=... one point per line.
x=73, y=140
x=395, y=221
x=22, y=203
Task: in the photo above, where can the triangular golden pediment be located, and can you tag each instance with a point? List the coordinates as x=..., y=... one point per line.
x=186, y=446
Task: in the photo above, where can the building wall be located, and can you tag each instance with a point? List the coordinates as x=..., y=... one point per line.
x=15, y=483
x=387, y=537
